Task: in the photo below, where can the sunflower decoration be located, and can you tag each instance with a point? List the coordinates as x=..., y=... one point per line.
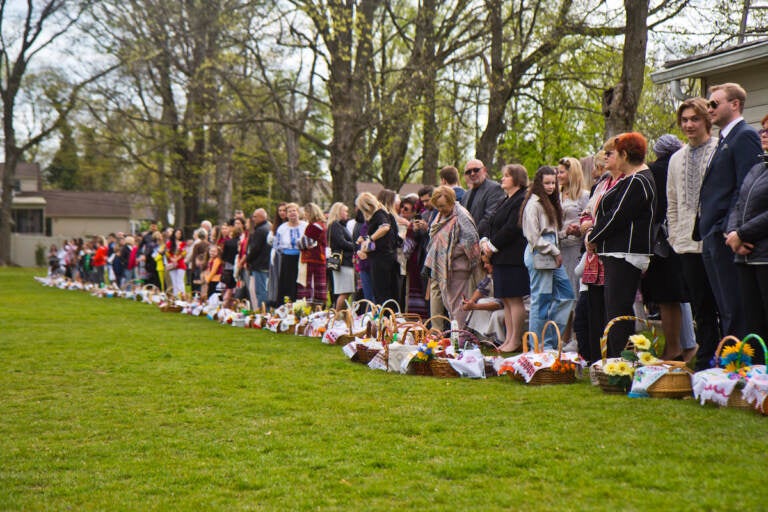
x=737, y=358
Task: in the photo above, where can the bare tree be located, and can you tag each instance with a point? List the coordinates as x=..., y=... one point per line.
x=20, y=42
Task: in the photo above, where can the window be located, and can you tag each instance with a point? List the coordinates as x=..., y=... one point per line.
x=27, y=221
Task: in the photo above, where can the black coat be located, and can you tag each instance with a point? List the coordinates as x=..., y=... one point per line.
x=340, y=240
x=505, y=232
x=749, y=217
x=624, y=215
x=257, y=255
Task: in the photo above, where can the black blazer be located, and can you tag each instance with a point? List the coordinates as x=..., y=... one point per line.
x=624, y=215
x=735, y=155
x=505, y=232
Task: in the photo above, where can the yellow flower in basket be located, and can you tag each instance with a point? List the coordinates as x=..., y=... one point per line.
x=640, y=342
x=646, y=358
x=624, y=368
x=611, y=368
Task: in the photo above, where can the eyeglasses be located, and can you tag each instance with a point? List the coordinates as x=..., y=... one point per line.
x=762, y=132
x=474, y=170
x=713, y=104
x=565, y=163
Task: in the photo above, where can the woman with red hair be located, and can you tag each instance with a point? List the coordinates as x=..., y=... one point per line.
x=622, y=234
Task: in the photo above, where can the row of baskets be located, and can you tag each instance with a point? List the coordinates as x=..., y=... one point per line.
x=384, y=338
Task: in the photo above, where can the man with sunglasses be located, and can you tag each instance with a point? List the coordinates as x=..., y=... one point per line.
x=737, y=151
x=483, y=196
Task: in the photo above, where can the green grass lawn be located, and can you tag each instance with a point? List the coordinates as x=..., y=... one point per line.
x=107, y=404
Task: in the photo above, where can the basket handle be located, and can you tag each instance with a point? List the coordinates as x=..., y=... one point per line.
x=604, y=337
x=760, y=340
x=369, y=305
x=346, y=315
x=442, y=317
x=384, y=306
x=331, y=316
x=473, y=337
x=530, y=334
x=414, y=326
x=559, y=336
x=721, y=345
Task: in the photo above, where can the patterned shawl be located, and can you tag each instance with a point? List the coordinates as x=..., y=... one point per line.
x=446, y=233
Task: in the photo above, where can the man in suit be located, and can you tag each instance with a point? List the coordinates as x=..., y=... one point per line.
x=737, y=151
x=483, y=197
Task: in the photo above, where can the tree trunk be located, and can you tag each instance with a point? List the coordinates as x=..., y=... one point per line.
x=621, y=101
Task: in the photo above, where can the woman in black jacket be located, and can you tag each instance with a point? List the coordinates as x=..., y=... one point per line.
x=748, y=238
x=340, y=241
x=622, y=231
x=505, y=245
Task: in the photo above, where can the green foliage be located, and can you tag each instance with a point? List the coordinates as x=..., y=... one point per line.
x=109, y=404
x=63, y=173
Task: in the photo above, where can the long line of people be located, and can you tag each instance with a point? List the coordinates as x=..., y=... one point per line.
x=687, y=233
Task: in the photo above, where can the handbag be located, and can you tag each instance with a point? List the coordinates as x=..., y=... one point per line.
x=661, y=247
x=544, y=261
x=594, y=272
x=334, y=261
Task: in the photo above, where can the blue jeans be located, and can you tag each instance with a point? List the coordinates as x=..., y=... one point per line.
x=260, y=284
x=552, y=298
x=367, y=285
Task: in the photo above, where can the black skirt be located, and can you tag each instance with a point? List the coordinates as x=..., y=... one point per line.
x=510, y=281
x=663, y=281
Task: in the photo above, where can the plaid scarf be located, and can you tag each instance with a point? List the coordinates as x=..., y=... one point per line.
x=446, y=233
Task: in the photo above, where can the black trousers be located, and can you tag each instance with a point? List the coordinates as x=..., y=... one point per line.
x=754, y=290
x=621, y=282
x=385, y=277
x=704, y=308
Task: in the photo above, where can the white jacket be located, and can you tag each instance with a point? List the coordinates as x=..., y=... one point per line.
x=683, y=196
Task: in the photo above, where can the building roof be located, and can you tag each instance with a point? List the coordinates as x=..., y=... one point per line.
x=24, y=171
x=66, y=203
x=734, y=57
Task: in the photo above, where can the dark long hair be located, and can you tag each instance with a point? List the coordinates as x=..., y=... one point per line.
x=550, y=202
x=277, y=220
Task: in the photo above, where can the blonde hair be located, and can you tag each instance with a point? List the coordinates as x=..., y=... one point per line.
x=313, y=213
x=575, y=186
x=445, y=192
x=335, y=213
x=368, y=204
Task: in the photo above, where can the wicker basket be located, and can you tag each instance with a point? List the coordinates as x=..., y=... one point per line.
x=547, y=375
x=490, y=370
x=364, y=354
x=349, y=337
x=603, y=378
x=736, y=400
x=422, y=368
x=170, y=307
x=605, y=384
x=442, y=368
x=675, y=384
